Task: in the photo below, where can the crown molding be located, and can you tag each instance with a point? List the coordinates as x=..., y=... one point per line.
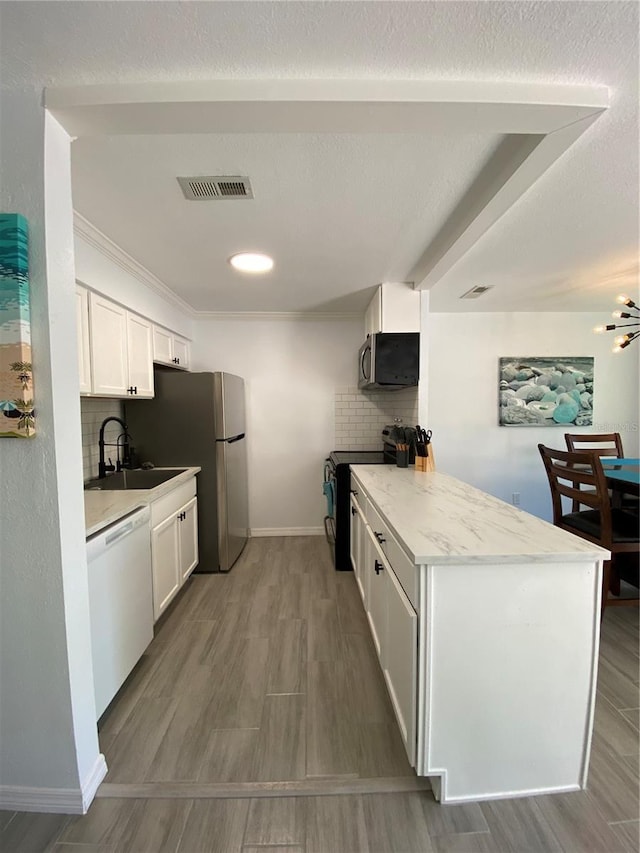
x=275, y=315
x=95, y=238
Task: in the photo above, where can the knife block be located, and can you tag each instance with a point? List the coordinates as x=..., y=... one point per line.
x=426, y=463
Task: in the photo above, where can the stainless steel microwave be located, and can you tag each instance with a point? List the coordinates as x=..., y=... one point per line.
x=389, y=361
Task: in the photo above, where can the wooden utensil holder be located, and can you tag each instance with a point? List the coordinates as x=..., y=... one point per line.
x=426, y=463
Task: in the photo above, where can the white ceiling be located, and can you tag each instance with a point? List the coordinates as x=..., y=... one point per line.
x=342, y=212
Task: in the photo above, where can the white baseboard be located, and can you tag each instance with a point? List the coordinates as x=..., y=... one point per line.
x=54, y=800
x=92, y=782
x=286, y=531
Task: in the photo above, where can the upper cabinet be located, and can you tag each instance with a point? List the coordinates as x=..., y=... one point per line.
x=395, y=307
x=139, y=356
x=170, y=349
x=84, y=351
x=115, y=348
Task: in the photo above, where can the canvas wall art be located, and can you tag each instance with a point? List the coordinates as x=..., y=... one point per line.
x=17, y=415
x=541, y=391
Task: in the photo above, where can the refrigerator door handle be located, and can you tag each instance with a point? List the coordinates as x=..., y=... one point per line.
x=235, y=438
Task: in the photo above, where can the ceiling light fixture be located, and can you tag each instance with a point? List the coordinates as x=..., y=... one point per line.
x=622, y=341
x=254, y=262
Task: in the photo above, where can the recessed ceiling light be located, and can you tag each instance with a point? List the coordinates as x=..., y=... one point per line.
x=251, y=262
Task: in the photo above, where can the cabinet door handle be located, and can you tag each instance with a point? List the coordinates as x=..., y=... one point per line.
x=354, y=493
x=379, y=537
x=176, y=360
x=353, y=510
x=378, y=566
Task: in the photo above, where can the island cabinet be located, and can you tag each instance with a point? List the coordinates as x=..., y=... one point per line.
x=486, y=623
x=174, y=543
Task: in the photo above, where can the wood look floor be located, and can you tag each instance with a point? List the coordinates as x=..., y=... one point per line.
x=261, y=690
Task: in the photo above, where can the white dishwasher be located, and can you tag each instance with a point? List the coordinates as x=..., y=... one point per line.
x=120, y=601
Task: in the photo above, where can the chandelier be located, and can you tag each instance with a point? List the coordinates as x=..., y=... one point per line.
x=622, y=341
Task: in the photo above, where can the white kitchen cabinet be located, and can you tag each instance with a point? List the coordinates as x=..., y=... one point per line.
x=395, y=307
x=174, y=542
x=165, y=563
x=108, y=341
x=376, y=585
x=170, y=349
x=139, y=356
x=120, y=344
x=84, y=351
x=181, y=353
x=357, y=544
x=392, y=619
x=188, y=535
x=400, y=661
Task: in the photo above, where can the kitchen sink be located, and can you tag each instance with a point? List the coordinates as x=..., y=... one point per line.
x=138, y=479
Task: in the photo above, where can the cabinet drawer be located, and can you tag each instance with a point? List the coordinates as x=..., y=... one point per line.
x=362, y=499
x=403, y=567
x=168, y=504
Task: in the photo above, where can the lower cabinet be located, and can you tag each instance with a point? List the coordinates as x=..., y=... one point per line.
x=400, y=661
x=393, y=623
x=174, y=544
x=357, y=542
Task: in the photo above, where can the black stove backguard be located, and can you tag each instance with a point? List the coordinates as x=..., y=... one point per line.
x=337, y=526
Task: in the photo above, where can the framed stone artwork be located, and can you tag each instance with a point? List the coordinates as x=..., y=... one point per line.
x=543, y=391
x=17, y=415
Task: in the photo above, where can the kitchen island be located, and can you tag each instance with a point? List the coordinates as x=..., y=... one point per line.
x=486, y=622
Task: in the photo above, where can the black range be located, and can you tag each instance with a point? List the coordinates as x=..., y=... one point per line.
x=337, y=483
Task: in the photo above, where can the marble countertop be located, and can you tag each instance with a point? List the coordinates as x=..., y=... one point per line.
x=441, y=520
x=104, y=508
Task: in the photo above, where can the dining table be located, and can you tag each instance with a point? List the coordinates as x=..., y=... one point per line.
x=623, y=474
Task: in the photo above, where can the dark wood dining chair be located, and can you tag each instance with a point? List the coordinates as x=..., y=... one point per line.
x=579, y=476
x=607, y=444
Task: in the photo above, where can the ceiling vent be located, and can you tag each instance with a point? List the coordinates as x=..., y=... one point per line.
x=475, y=292
x=215, y=187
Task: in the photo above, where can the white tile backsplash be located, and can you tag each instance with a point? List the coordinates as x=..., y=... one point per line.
x=93, y=410
x=360, y=415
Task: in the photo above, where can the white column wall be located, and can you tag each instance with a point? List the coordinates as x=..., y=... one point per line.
x=292, y=368
x=463, y=397
x=48, y=737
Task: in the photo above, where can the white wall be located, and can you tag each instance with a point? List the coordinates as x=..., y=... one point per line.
x=463, y=397
x=292, y=368
x=48, y=738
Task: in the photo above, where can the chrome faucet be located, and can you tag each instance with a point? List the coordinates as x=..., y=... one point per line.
x=103, y=468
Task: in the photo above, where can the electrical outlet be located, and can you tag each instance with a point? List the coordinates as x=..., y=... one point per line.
x=515, y=498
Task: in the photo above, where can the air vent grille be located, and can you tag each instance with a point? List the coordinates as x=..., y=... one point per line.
x=215, y=187
x=475, y=292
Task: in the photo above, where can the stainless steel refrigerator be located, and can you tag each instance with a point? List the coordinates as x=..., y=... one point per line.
x=199, y=419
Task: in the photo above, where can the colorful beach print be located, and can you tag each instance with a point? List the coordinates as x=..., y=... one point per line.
x=543, y=391
x=17, y=414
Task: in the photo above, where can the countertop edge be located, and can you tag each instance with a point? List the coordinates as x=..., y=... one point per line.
x=584, y=551
x=127, y=501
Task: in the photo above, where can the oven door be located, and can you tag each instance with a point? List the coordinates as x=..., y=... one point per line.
x=330, y=492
